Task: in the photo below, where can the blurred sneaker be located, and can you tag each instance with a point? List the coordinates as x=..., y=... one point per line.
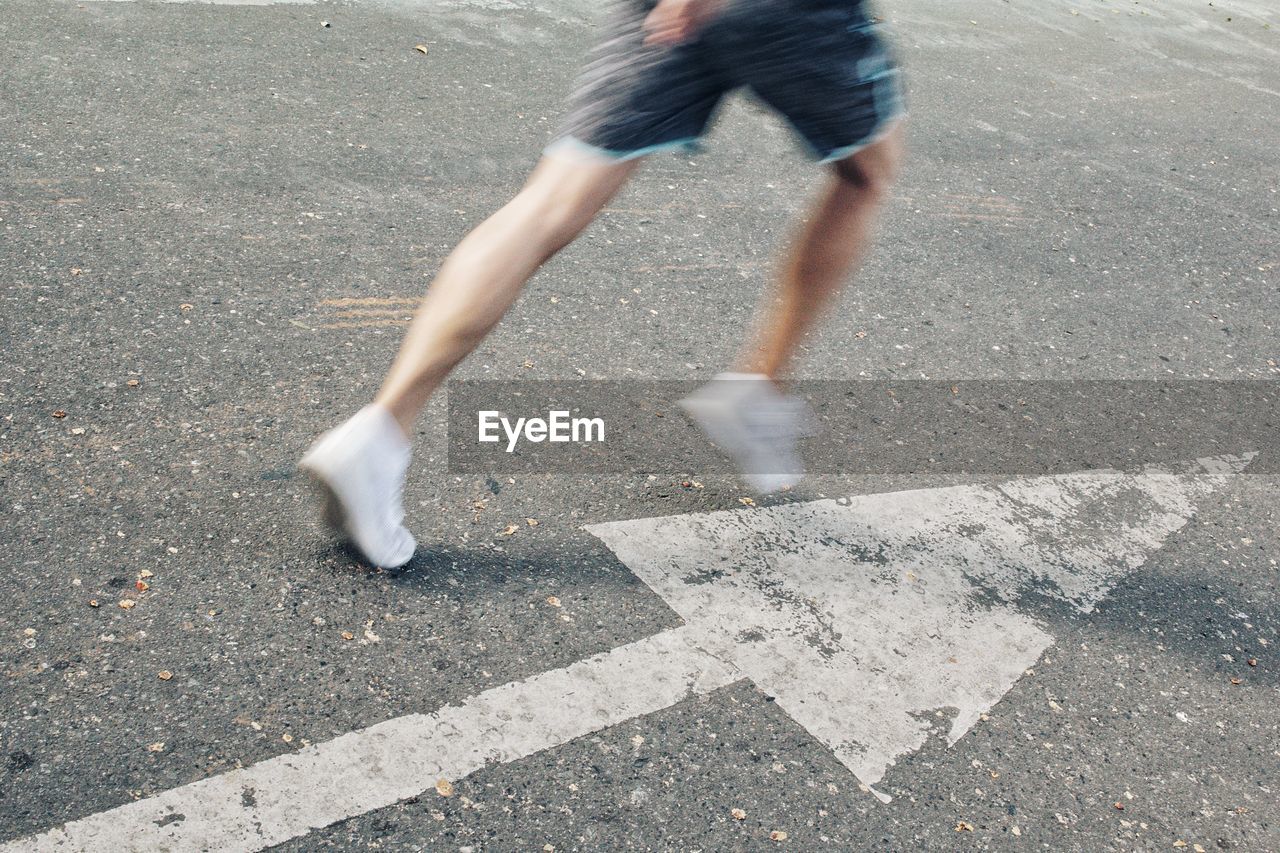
x=747, y=417
x=360, y=469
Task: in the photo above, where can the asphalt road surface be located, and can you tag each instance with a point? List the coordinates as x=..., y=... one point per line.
x=214, y=223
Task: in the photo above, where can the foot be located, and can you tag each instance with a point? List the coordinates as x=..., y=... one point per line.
x=360, y=469
x=750, y=420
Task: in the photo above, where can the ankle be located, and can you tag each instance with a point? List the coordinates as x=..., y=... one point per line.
x=403, y=415
x=752, y=371
x=401, y=410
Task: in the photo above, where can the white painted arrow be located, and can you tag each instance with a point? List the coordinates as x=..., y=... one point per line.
x=862, y=616
x=859, y=615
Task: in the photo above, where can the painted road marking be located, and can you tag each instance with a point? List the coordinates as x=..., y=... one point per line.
x=864, y=616
x=383, y=764
x=860, y=616
x=971, y=209
x=364, y=312
x=392, y=303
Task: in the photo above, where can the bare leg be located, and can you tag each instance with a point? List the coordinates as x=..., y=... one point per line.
x=482, y=277
x=828, y=247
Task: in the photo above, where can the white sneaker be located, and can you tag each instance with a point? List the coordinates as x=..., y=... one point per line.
x=360, y=469
x=750, y=420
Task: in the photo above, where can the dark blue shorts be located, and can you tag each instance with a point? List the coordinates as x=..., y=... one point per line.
x=822, y=64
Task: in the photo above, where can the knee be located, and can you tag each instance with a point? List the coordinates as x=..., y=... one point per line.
x=872, y=171
x=555, y=214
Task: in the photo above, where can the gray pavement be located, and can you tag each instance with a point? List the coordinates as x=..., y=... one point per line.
x=193, y=194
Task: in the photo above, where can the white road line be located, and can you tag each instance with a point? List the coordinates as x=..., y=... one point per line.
x=286, y=797
x=861, y=616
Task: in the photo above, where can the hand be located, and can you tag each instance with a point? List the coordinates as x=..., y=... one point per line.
x=675, y=21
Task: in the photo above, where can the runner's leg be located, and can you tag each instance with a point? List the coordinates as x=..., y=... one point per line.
x=829, y=246
x=633, y=100
x=743, y=411
x=360, y=466
x=482, y=277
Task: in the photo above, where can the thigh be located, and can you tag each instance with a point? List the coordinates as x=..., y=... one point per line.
x=575, y=185
x=633, y=99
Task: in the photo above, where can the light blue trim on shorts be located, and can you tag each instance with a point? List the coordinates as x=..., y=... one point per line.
x=877, y=133
x=564, y=144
